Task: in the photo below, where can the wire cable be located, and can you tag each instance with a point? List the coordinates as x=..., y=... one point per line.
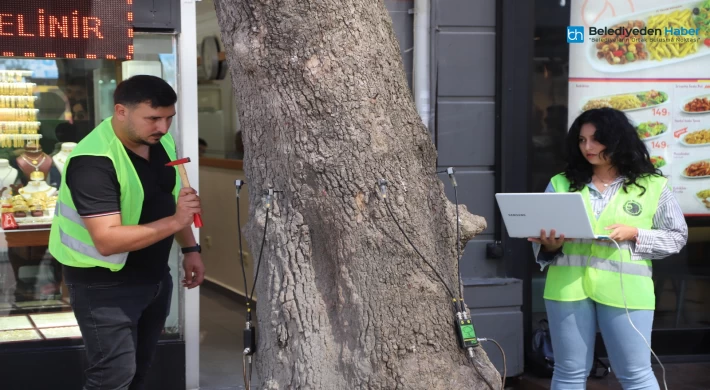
x=502, y=353
x=246, y=358
x=417, y=250
x=241, y=251
x=261, y=252
x=623, y=295
x=247, y=375
x=458, y=245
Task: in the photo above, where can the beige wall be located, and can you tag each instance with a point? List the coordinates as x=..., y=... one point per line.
x=218, y=236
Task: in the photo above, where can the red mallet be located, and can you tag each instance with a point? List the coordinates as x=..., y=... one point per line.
x=180, y=164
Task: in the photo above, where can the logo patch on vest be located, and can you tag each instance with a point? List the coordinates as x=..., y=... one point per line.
x=633, y=208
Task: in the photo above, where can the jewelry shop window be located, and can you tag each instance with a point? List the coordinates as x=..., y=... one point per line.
x=47, y=106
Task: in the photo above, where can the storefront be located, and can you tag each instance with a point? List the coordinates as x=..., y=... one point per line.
x=665, y=95
x=61, y=62
x=506, y=84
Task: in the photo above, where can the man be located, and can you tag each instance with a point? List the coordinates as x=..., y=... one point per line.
x=118, y=211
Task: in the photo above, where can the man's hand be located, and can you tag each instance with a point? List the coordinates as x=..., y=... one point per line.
x=194, y=270
x=622, y=232
x=188, y=204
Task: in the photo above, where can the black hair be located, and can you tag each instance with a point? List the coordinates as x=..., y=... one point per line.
x=624, y=148
x=202, y=142
x=145, y=89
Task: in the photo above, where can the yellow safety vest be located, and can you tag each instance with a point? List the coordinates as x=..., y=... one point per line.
x=69, y=240
x=591, y=268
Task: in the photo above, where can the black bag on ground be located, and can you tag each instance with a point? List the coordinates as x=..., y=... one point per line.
x=541, y=359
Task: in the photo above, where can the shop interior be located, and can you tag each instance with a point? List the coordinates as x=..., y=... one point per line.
x=46, y=107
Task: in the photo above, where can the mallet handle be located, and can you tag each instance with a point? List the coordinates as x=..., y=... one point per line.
x=186, y=183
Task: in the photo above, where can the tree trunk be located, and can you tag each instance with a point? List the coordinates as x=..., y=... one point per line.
x=325, y=110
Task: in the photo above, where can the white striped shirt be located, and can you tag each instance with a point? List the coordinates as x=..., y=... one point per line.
x=668, y=235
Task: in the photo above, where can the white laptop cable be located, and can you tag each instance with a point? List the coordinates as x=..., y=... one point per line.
x=623, y=294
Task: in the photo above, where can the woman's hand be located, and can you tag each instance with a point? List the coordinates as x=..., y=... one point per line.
x=623, y=232
x=549, y=243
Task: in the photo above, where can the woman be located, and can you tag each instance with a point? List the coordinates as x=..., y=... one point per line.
x=628, y=200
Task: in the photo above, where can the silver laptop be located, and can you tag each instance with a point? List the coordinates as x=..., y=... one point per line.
x=526, y=214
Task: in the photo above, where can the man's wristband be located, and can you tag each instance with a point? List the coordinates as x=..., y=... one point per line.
x=197, y=248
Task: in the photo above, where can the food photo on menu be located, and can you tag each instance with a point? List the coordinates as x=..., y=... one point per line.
x=701, y=189
x=651, y=130
x=704, y=197
x=658, y=162
x=696, y=138
x=650, y=38
x=694, y=175
x=628, y=101
x=697, y=105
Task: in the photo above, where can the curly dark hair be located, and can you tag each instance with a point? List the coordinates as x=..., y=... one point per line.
x=627, y=152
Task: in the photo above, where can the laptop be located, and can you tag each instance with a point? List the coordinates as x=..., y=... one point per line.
x=526, y=214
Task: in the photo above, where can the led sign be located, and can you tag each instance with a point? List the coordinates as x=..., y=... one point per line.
x=95, y=29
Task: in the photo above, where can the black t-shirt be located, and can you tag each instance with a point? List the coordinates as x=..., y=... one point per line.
x=96, y=192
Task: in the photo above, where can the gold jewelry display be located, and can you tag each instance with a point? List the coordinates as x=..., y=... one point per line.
x=17, y=140
x=19, y=127
x=17, y=101
x=35, y=163
x=18, y=115
x=14, y=76
x=17, y=89
x=37, y=175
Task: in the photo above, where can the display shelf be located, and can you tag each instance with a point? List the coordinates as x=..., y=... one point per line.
x=15, y=323
x=26, y=137
x=24, y=238
x=19, y=127
x=61, y=333
x=7, y=75
x=46, y=304
x=17, y=89
x=10, y=336
x=54, y=320
x=18, y=114
x=17, y=101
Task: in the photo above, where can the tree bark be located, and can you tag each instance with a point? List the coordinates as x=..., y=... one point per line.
x=326, y=112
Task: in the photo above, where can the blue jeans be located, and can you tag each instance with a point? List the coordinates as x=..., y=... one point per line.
x=573, y=328
x=120, y=324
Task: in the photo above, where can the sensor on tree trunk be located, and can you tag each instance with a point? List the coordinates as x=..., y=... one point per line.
x=464, y=330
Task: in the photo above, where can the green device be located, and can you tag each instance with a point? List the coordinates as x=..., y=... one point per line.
x=467, y=336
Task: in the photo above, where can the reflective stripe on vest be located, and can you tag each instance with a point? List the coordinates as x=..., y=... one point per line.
x=628, y=268
x=74, y=244
x=605, y=257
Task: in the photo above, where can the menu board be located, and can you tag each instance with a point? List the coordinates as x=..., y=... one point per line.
x=651, y=60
